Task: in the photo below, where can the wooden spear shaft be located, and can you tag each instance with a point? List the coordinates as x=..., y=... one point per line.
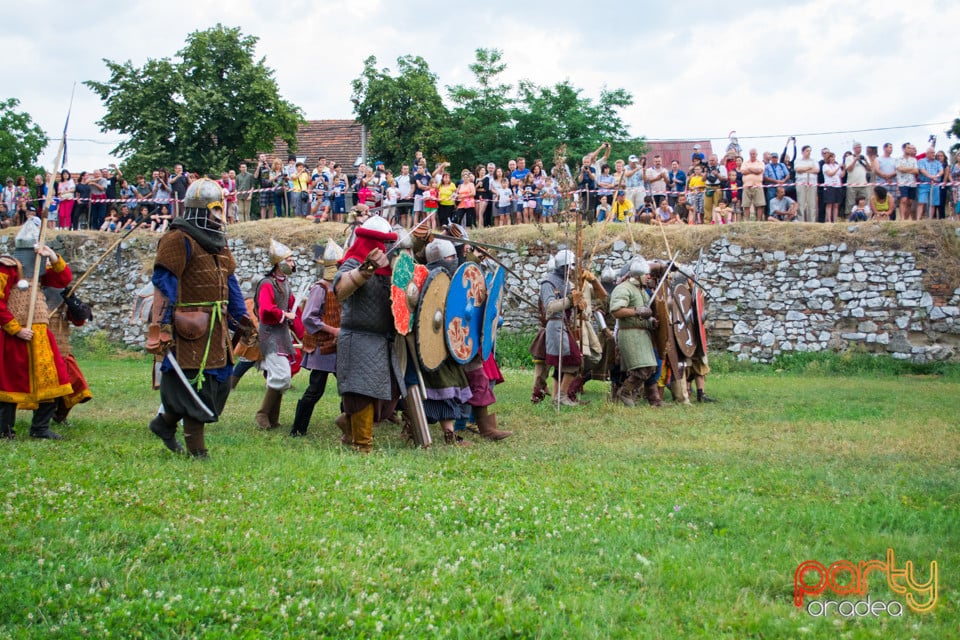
x=47, y=201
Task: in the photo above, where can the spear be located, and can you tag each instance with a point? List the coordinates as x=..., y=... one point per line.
x=48, y=200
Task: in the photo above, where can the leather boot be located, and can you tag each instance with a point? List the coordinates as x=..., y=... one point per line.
x=40, y=427
x=627, y=391
x=654, y=395
x=275, y=410
x=539, y=393
x=301, y=419
x=361, y=426
x=703, y=397
x=193, y=436
x=265, y=416
x=343, y=423
x=165, y=428
x=576, y=388
x=563, y=396
x=488, y=427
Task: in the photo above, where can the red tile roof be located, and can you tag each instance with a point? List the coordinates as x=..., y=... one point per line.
x=679, y=150
x=337, y=140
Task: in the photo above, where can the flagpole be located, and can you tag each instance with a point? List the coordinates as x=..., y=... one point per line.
x=47, y=201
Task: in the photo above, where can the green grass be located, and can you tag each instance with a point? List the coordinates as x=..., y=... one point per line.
x=597, y=522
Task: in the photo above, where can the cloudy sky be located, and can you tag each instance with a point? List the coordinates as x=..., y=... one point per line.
x=695, y=69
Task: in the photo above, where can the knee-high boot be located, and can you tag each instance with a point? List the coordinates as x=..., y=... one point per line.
x=361, y=427
x=193, y=436
x=266, y=417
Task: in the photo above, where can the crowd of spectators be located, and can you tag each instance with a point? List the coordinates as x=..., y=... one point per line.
x=771, y=186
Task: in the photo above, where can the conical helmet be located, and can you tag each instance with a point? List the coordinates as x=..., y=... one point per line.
x=278, y=252
x=332, y=253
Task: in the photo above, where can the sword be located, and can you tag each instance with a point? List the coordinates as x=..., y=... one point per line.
x=396, y=245
x=172, y=359
x=666, y=272
x=474, y=243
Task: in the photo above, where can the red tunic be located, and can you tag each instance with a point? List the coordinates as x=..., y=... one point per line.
x=34, y=371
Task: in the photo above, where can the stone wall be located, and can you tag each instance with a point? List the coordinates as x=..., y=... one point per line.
x=761, y=302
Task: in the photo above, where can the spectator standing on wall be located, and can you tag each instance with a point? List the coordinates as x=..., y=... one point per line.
x=246, y=183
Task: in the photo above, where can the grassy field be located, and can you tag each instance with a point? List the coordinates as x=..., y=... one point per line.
x=596, y=522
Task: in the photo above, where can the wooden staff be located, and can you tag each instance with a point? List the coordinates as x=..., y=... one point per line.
x=48, y=200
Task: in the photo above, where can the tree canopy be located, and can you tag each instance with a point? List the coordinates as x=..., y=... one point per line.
x=21, y=141
x=489, y=120
x=209, y=109
x=402, y=112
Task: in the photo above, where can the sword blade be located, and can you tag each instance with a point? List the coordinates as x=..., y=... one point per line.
x=485, y=245
x=172, y=359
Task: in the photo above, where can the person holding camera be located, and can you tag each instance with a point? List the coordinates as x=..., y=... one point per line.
x=857, y=168
x=262, y=177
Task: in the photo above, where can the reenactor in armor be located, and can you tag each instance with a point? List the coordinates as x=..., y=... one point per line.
x=196, y=300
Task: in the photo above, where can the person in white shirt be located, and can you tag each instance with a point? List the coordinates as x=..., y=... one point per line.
x=807, y=170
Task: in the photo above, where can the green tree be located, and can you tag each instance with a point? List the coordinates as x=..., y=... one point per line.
x=403, y=113
x=954, y=132
x=209, y=109
x=548, y=116
x=21, y=141
x=481, y=128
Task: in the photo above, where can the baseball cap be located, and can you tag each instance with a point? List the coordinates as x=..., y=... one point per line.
x=774, y=155
x=633, y=159
x=696, y=147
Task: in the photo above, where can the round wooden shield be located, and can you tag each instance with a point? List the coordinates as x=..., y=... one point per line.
x=463, y=315
x=663, y=336
x=698, y=318
x=431, y=345
x=402, y=277
x=683, y=323
x=492, y=311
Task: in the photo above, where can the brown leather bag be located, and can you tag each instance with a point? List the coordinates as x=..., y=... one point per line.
x=191, y=325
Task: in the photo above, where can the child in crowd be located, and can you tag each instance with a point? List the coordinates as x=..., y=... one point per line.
x=549, y=198
x=664, y=212
x=431, y=200
x=721, y=212
x=603, y=209
x=390, y=199
x=504, y=195
x=859, y=213
x=530, y=192
x=111, y=222
x=881, y=204
x=696, y=185
x=160, y=218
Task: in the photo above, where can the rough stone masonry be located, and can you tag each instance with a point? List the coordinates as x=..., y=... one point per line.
x=761, y=303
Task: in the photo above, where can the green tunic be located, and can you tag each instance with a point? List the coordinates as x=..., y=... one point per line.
x=633, y=337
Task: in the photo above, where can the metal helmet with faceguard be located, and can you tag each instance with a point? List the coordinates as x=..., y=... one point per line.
x=278, y=254
x=203, y=206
